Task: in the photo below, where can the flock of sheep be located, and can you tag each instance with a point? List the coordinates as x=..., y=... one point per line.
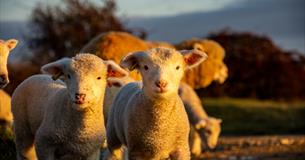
x=89, y=103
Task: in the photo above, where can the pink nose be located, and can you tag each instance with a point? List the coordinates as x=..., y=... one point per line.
x=161, y=83
x=80, y=98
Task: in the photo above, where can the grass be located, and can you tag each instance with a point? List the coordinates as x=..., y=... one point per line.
x=252, y=117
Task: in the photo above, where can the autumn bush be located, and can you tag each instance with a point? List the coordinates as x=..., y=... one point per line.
x=258, y=68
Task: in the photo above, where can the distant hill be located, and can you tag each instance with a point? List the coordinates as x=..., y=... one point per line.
x=282, y=20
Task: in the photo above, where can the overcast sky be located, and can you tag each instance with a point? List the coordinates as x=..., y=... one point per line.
x=11, y=10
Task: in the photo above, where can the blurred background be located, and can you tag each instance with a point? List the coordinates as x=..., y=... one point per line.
x=264, y=43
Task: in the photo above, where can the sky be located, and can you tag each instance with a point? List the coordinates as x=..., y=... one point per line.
x=13, y=10
x=177, y=20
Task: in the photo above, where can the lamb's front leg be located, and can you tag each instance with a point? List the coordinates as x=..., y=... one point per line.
x=44, y=149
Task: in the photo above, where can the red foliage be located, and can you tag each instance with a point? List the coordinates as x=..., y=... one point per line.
x=259, y=69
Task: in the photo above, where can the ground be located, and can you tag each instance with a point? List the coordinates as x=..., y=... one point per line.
x=258, y=147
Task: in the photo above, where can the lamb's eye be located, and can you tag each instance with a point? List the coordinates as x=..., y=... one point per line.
x=146, y=67
x=69, y=77
x=98, y=78
x=178, y=67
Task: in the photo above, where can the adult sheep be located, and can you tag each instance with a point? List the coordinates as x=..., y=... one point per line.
x=149, y=118
x=63, y=118
x=213, y=69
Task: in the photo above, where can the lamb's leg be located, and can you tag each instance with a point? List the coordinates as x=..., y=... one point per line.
x=24, y=141
x=114, y=150
x=195, y=143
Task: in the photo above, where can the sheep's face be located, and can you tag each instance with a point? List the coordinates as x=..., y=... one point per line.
x=5, y=48
x=85, y=77
x=162, y=68
x=209, y=130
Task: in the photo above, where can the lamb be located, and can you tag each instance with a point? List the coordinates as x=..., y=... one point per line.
x=5, y=48
x=63, y=118
x=149, y=117
x=203, y=127
x=5, y=99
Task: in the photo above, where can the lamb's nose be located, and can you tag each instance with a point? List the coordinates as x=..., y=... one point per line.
x=161, y=83
x=80, y=98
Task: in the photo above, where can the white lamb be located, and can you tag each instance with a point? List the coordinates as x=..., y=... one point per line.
x=150, y=119
x=5, y=48
x=64, y=119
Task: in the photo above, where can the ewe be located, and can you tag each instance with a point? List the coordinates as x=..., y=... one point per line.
x=150, y=119
x=204, y=127
x=64, y=119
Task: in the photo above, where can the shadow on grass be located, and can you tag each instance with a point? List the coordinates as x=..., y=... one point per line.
x=252, y=117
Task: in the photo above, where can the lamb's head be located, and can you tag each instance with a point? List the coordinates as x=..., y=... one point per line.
x=209, y=130
x=5, y=48
x=162, y=68
x=85, y=77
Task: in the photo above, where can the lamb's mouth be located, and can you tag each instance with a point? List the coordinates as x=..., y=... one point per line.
x=161, y=90
x=79, y=102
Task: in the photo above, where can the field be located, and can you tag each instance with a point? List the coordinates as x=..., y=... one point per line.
x=251, y=129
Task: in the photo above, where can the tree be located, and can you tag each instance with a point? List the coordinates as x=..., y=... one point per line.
x=58, y=31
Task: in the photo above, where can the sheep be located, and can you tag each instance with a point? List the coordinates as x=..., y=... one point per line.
x=203, y=127
x=5, y=99
x=63, y=118
x=149, y=117
x=6, y=117
x=214, y=69
x=5, y=48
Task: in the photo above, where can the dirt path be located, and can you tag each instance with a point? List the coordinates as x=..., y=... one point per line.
x=259, y=147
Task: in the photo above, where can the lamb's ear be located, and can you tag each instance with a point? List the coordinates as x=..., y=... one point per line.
x=193, y=57
x=114, y=70
x=55, y=68
x=201, y=124
x=131, y=60
x=11, y=43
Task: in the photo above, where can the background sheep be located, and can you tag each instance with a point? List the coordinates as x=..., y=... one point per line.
x=5, y=48
x=114, y=46
x=213, y=69
x=151, y=120
x=204, y=127
x=64, y=118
